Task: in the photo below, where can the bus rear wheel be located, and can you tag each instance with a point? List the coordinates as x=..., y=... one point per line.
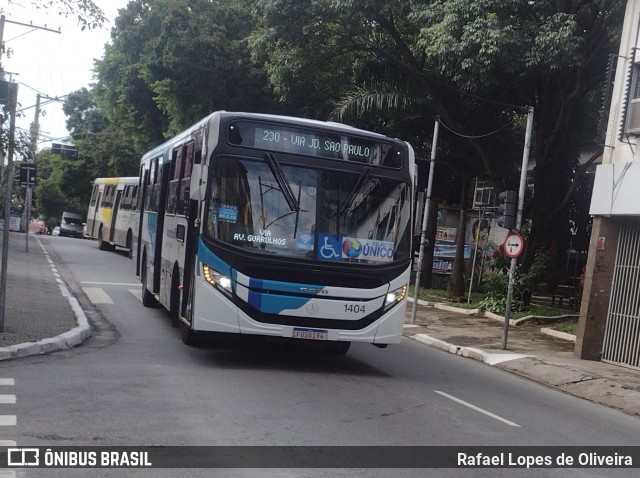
x=130, y=244
x=102, y=245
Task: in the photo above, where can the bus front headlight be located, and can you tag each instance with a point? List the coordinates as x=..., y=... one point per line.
x=395, y=296
x=219, y=281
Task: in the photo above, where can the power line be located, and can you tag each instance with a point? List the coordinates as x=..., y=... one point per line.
x=481, y=135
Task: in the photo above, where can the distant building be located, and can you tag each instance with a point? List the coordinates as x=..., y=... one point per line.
x=609, y=325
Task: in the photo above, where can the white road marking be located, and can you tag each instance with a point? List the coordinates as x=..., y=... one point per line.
x=8, y=420
x=137, y=293
x=7, y=399
x=123, y=284
x=7, y=443
x=8, y=474
x=97, y=295
x=477, y=409
x=7, y=381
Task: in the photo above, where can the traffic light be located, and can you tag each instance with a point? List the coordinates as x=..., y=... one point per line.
x=508, y=209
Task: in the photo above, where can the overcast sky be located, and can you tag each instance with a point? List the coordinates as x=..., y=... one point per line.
x=52, y=64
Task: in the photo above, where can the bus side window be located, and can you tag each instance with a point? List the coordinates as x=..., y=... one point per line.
x=174, y=180
x=134, y=197
x=183, y=195
x=157, y=186
x=153, y=188
x=94, y=195
x=106, y=198
x=126, y=198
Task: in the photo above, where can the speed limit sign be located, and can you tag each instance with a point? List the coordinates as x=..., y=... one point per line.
x=513, y=244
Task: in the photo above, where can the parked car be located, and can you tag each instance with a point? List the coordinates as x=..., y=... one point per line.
x=56, y=231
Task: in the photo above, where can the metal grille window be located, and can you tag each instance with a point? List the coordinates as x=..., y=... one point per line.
x=622, y=334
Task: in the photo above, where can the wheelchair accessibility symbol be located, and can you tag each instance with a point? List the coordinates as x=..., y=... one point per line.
x=330, y=247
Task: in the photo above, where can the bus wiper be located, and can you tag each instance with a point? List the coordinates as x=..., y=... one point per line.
x=283, y=184
x=348, y=201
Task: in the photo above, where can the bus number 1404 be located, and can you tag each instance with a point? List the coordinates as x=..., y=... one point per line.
x=354, y=308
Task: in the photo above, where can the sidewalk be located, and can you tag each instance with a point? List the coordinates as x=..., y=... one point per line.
x=530, y=354
x=41, y=316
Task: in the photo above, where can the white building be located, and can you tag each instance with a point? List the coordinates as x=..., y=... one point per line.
x=609, y=326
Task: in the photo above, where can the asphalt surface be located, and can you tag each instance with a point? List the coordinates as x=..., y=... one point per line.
x=41, y=316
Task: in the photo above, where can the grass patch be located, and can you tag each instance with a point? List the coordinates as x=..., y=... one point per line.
x=568, y=327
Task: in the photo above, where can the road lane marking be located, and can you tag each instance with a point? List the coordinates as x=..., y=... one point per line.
x=8, y=443
x=7, y=399
x=7, y=381
x=123, y=284
x=137, y=293
x=8, y=420
x=97, y=295
x=477, y=409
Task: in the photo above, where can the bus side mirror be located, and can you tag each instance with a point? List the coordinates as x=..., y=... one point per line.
x=198, y=186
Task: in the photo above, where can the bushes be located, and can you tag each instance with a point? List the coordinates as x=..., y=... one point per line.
x=495, y=300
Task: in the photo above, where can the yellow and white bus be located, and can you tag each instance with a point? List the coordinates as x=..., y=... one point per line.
x=112, y=215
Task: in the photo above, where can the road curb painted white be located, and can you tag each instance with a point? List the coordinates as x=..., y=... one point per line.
x=467, y=352
x=557, y=334
x=66, y=340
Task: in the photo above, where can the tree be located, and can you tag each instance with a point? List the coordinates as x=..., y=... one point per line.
x=172, y=62
x=476, y=64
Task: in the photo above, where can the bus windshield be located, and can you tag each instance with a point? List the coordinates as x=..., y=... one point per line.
x=315, y=214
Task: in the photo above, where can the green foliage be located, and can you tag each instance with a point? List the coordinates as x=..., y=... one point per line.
x=50, y=202
x=173, y=62
x=386, y=65
x=495, y=299
x=542, y=271
x=568, y=327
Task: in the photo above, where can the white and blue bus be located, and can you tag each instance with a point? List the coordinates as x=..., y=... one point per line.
x=271, y=225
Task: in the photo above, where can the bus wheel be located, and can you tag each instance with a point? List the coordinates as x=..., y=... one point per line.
x=102, y=245
x=130, y=245
x=148, y=300
x=337, y=348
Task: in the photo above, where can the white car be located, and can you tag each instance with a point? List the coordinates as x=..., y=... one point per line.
x=56, y=231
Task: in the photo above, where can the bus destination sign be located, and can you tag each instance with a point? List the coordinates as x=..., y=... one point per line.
x=318, y=143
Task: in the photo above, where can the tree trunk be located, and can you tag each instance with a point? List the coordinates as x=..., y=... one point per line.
x=427, y=260
x=456, y=282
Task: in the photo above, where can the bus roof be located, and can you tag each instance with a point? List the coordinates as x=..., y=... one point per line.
x=331, y=125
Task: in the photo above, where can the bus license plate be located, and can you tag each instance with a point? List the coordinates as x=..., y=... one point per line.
x=310, y=334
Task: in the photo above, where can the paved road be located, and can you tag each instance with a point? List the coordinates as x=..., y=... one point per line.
x=135, y=383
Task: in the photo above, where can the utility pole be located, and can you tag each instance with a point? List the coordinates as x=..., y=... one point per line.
x=521, y=191
x=1, y=79
x=423, y=233
x=35, y=133
x=11, y=101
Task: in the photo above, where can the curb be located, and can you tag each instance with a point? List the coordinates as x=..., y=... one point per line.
x=66, y=340
x=467, y=352
x=557, y=334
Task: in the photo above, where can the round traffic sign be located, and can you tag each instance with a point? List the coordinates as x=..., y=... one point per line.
x=513, y=244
